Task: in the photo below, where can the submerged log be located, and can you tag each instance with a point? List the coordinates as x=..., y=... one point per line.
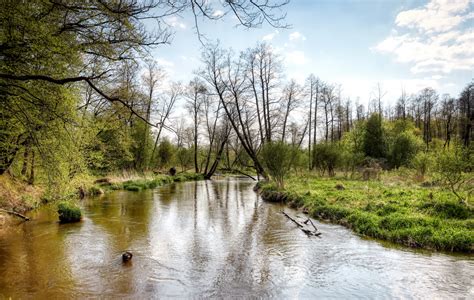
x=302, y=227
x=15, y=214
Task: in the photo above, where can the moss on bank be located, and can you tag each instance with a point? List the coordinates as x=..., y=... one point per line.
x=69, y=212
x=410, y=215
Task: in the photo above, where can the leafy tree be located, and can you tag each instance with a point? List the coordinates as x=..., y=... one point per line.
x=374, y=140
x=403, y=149
x=184, y=158
x=165, y=153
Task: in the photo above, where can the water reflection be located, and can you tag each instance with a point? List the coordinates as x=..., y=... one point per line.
x=211, y=239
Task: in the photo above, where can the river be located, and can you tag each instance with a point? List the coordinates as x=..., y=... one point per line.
x=212, y=239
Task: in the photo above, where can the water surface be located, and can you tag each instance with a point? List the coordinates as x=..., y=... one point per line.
x=212, y=239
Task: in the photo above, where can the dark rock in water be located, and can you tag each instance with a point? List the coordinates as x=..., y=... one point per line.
x=172, y=171
x=127, y=256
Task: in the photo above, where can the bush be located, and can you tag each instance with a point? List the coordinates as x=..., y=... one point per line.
x=69, y=212
x=94, y=191
x=277, y=158
x=452, y=167
x=326, y=157
x=404, y=148
x=422, y=163
x=133, y=188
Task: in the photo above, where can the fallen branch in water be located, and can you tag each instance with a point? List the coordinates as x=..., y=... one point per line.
x=306, y=222
x=302, y=227
x=15, y=214
x=296, y=222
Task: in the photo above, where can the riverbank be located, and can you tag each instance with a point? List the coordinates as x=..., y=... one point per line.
x=17, y=196
x=412, y=215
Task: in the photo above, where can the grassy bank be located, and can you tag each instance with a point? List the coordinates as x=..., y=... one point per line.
x=139, y=184
x=16, y=195
x=412, y=215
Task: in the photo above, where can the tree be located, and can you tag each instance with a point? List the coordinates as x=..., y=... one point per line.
x=165, y=153
x=403, y=149
x=312, y=90
x=466, y=111
x=429, y=98
x=374, y=141
x=166, y=103
x=289, y=102
x=51, y=49
x=195, y=95
x=228, y=83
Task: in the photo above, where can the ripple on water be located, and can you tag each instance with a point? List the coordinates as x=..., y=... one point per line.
x=212, y=239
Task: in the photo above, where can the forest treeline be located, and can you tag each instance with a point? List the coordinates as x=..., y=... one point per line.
x=81, y=94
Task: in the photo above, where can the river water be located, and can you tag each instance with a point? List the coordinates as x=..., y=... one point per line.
x=212, y=239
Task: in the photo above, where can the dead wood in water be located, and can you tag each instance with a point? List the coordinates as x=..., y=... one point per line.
x=15, y=214
x=306, y=222
x=294, y=221
x=302, y=227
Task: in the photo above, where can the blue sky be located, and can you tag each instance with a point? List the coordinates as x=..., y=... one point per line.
x=399, y=44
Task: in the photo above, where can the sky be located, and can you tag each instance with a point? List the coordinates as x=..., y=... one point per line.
x=406, y=45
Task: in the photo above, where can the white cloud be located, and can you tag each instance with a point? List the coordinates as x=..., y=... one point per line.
x=295, y=57
x=270, y=36
x=296, y=36
x=164, y=62
x=434, y=40
x=436, y=16
x=218, y=13
x=175, y=22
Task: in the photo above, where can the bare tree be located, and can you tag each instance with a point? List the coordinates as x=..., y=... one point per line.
x=226, y=79
x=164, y=109
x=429, y=98
x=289, y=102
x=263, y=72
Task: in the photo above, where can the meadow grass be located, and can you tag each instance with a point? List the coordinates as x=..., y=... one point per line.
x=404, y=213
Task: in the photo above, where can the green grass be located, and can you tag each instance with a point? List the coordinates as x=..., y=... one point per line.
x=412, y=215
x=68, y=212
x=143, y=184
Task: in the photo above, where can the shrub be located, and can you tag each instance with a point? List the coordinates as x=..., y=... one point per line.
x=69, y=212
x=94, y=191
x=422, y=163
x=404, y=148
x=452, y=166
x=132, y=187
x=277, y=158
x=326, y=157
